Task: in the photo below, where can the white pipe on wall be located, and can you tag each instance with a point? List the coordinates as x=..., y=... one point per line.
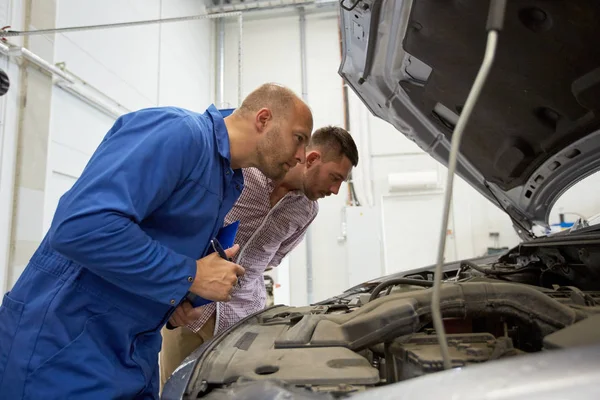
x=15, y=51
x=220, y=62
x=220, y=70
x=302, y=12
x=8, y=164
x=309, y=264
x=68, y=83
x=45, y=65
x=240, y=60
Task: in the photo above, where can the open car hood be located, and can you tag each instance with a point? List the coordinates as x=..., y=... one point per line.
x=535, y=130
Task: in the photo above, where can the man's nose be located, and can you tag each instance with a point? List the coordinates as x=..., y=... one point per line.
x=335, y=188
x=301, y=155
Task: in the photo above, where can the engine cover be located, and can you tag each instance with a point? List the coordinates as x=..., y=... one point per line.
x=421, y=354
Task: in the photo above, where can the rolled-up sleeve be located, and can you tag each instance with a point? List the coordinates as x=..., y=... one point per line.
x=142, y=160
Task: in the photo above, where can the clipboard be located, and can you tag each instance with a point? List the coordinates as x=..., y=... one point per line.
x=226, y=235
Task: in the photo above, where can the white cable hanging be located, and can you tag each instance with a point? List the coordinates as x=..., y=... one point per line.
x=494, y=24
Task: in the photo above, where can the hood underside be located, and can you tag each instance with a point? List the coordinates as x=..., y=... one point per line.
x=535, y=129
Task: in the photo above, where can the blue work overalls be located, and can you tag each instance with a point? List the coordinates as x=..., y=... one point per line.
x=83, y=321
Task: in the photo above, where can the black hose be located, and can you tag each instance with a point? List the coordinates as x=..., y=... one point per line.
x=489, y=271
x=398, y=281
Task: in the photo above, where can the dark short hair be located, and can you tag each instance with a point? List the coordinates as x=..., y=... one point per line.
x=334, y=142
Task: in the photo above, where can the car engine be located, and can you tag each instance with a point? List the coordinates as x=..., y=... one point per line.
x=534, y=298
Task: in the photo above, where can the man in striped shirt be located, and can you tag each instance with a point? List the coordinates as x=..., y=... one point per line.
x=273, y=219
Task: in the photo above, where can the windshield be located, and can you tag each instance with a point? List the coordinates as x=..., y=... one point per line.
x=578, y=207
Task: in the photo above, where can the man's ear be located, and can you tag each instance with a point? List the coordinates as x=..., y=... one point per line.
x=263, y=116
x=312, y=157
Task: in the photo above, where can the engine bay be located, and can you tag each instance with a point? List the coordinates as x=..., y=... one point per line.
x=381, y=332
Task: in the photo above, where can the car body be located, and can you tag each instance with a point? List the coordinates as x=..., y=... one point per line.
x=523, y=323
x=353, y=345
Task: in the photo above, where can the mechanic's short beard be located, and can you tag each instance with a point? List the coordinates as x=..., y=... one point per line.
x=268, y=153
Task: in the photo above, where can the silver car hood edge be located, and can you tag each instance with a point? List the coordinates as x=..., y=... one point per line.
x=374, y=77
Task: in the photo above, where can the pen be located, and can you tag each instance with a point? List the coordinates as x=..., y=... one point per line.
x=216, y=245
x=196, y=300
x=219, y=249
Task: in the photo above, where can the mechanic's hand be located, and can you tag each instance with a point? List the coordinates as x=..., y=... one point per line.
x=185, y=314
x=216, y=277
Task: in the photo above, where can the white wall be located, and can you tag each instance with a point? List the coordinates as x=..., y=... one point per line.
x=267, y=57
x=142, y=66
x=138, y=67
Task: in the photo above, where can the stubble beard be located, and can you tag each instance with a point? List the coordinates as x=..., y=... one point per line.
x=267, y=159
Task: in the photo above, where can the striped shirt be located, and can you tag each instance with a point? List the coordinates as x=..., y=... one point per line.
x=265, y=235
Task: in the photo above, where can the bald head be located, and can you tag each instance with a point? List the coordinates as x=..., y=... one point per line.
x=282, y=102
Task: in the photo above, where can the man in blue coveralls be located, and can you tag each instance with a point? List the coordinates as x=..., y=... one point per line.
x=129, y=241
